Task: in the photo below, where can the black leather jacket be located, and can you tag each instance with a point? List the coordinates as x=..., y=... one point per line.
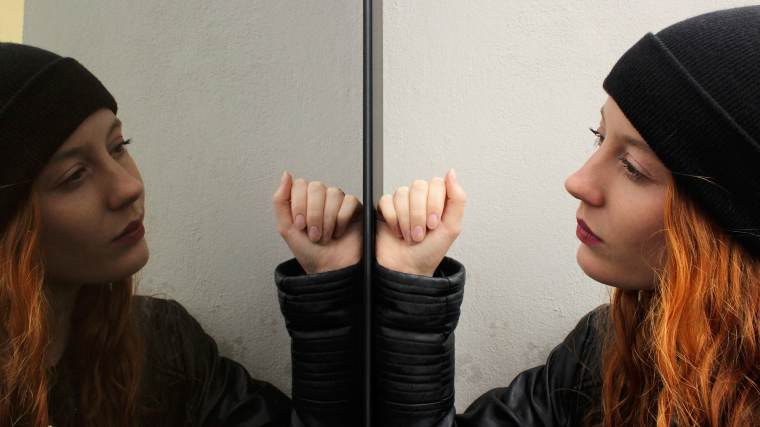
x=415, y=317
x=187, y=383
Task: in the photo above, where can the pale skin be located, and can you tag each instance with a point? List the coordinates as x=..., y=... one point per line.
x=622, y=189
x=331, y=217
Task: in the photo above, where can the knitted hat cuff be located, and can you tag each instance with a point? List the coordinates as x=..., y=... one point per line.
x=33, y=125
x=683, y=124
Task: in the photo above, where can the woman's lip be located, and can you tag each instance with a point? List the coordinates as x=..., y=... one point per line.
x=132, y=226
x=132, y=237
x=585, y=234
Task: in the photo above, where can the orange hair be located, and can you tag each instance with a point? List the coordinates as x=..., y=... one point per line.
x=687, y=351
x=104, y=337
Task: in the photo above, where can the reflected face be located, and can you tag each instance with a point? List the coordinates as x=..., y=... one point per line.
x=622, y=189
x=89, y=192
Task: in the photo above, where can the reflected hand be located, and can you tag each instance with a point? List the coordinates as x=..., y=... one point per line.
x=333, y=221
x=409, y=238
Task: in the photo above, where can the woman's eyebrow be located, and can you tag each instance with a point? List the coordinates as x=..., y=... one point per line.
x=75, y=151
x=116, y=123
x=629, y=139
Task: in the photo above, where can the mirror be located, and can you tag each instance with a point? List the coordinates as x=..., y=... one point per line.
x=219, y=98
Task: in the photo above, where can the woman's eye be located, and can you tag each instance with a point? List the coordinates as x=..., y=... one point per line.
x=74, y=177
x=121, y=147
x=630, y=170
x=599, y=137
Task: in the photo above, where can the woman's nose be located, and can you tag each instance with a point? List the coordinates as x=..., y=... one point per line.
x=585, y=185
x=125, y=188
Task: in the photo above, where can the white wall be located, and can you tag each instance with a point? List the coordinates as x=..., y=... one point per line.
x=220, y=97
x=504, y=91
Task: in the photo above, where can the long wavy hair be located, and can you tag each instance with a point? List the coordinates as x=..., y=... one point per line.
x=104, y=337
x=687, y=352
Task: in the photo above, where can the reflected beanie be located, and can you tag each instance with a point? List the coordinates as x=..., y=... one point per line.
x=43, y=99
x=693, y=92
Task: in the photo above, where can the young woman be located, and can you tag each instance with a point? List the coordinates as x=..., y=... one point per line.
x=669, y=215
x=77, y=346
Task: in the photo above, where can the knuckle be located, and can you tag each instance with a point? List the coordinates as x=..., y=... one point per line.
x=299, y=181
x=419, y=183
x=437, y=179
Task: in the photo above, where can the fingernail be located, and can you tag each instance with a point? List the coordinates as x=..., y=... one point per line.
x=314, y=233
x=417, y=233
x=433, y=221
x=300, y=222
x=284, y=175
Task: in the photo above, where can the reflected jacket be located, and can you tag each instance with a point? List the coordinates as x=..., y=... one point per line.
x=186, y=382
x=414, y=320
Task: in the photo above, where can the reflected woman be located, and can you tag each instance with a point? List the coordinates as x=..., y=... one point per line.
x=77, y=346
x=669, y=215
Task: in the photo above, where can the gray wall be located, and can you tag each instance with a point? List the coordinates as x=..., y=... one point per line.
x=219, y=98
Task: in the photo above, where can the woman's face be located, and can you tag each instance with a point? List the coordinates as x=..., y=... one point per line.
x=89, y=191
x=622, y=189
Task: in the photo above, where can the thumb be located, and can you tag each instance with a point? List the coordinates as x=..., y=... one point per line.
x=281, y=202
x=456, y=200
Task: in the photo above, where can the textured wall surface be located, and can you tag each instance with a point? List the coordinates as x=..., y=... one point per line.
x=219, y=98
x=504, y=92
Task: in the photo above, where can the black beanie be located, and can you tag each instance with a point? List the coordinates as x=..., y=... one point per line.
x=43, y=99
x=693, y=93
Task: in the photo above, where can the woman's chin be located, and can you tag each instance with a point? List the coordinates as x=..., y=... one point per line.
x=134, y=260
x=594, y=267
x=582, y=257
x=602, y=271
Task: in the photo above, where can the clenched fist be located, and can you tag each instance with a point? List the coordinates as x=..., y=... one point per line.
x=417, y=225
x=322, y=226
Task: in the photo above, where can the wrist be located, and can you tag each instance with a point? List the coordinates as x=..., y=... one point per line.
x=406, y=269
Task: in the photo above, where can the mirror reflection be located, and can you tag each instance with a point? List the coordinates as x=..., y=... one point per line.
x=175, y=178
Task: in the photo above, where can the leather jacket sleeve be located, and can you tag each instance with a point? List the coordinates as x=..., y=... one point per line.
x=322, y=316
x=413, y=344
x=415, y=318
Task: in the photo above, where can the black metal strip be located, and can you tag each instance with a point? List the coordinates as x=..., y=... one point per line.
x=369, y=212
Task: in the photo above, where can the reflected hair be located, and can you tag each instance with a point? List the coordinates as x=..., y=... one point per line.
x=104, y=339
x=686, y=352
